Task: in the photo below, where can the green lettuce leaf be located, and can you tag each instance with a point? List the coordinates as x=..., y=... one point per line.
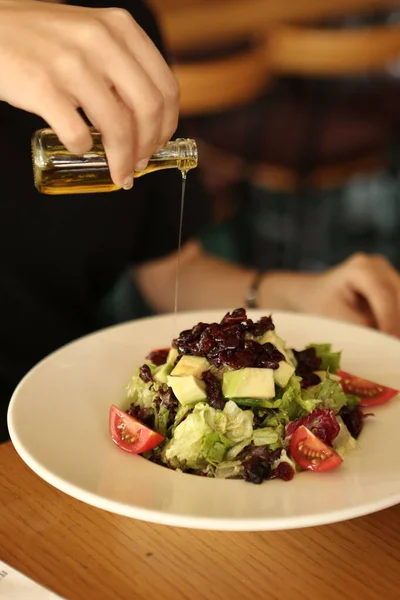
x=214, y=448
x=229, y=469
x=161, y=420
x=265, y=436
x=295, y=400
x=239, y=423
x=331, y=395
x=330, y=361
x=235, y=450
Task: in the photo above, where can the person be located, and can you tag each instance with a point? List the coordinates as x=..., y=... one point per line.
x=61, y=255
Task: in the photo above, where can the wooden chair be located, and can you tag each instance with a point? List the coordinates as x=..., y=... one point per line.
x=283, y=45
x=314, y=53
x=214, y=85
x=189, y=24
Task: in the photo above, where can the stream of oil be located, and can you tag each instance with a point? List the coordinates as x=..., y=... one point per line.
x=176, y=299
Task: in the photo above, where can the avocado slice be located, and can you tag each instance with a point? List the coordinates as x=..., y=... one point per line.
x=187, y=389
x=162, y=373
x=273, y=338
x=249, y=383
x=191, y=365
x=283, y=373
x=172, y=356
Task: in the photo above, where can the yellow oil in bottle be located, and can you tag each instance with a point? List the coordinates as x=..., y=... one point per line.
x=58, y=171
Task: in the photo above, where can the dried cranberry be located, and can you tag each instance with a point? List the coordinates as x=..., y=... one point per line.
x=308, y=359
x=214, y=391
x=308, y=379
x=237, y=317
x=273, y=352
x=307, y=363
x=262, y=326
x=321, y=422
x=238, y=359
x=225, y=343
x=145, y=374
x=158, y=357
x=283, y=471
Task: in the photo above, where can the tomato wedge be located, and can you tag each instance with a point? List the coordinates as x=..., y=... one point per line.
x=131, y=435
x=371, y=393
x=310, y=453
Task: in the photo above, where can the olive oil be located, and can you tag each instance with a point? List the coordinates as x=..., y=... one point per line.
x=58, y=171
x=179, y=249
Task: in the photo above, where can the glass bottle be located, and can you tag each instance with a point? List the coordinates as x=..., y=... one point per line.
x=58, y=171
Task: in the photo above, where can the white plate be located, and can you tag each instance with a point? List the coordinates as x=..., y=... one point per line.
x=58, y=420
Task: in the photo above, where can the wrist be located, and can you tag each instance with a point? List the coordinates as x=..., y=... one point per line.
x=285, y=290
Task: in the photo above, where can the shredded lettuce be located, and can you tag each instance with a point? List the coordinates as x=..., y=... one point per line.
x=207, y=434
x=185, y=448
x=140, y=393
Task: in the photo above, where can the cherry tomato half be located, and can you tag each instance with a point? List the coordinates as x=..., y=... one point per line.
x=131, y=435
x=310, y=453
x=370, y=393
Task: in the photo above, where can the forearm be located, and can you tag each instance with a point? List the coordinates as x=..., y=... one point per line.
x=205, y=282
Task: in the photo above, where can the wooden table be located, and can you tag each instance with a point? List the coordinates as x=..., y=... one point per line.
x=83, y=553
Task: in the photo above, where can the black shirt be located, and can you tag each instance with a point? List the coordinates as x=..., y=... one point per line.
x=59, y=255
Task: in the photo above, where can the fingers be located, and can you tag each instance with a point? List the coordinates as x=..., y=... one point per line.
x=67, y=123
x=379, y=284
x=152, y=62
x=99, y=60
x=145, y=104
x=109, y=115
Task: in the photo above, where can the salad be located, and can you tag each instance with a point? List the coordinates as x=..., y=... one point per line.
x=231, y=400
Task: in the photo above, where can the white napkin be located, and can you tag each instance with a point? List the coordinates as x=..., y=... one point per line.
x=15, y=586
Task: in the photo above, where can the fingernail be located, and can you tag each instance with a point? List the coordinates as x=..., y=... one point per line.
x=141, y=165
x=128, y=183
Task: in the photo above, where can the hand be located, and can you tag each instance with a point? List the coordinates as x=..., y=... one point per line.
x=55, y=59
x=363, y=289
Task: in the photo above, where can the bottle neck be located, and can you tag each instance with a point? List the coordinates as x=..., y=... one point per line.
x=179, y=154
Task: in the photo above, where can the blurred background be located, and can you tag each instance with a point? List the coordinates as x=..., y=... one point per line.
x=295, y=105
